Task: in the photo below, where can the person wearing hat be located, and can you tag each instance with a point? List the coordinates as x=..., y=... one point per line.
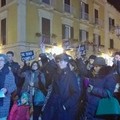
x=62, y=104
x=7, y=86
x=97, y=87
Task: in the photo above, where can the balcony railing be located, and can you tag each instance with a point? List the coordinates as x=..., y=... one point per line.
x=98, y=21
x=45, y=39
x=84, y=16
x=68, y=9
x=44, y=2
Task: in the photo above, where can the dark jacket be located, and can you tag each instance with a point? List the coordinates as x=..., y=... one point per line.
x=65, y=92
x=100, y=83
x=14, y=67
x=82, y=67
x=48, y=69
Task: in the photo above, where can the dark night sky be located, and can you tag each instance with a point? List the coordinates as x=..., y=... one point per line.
x=115, y=3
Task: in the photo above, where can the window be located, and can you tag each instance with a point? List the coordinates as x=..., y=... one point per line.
x=46, y=1
x=84, y=11
x=97, y=39
x=67, y=32
x=111, y=44
x=46, y=30
x=3, y=3
x=83, y=35
x=111, y=24
x=3, y=31
x=96, y=16
x=67, y=6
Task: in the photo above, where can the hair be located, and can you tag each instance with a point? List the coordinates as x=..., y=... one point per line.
x=36, y=63
x=116, y=53
x=4, y=56
x=10, y=52
x=61, y=57
x=74, y=64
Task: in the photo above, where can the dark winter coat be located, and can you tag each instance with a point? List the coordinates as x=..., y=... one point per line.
x=14, y=67
x=65, y=92
x=48, y=69
x=82, y=67
x=100, y=83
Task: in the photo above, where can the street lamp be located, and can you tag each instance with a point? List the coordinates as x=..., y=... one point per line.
x=117, y=31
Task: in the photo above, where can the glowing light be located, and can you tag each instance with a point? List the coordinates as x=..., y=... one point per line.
x=108, y=59
x=57, y=50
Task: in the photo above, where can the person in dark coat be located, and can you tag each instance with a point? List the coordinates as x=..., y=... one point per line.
x=97, y=88
x=7, y=86
x=48, y=68
x=116, y=72
x=13, y=65
x=81, y=62
x=62, y=104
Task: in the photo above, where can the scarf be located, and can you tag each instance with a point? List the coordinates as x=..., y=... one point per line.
x=3, y=72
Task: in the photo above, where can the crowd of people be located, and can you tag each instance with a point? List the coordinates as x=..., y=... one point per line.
x=57, y=87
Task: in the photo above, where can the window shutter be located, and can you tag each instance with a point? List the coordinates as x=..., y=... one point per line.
x=87, y=36
x=3, y=31
x=113, y=22
x=86, y=8
x=80, y=35
x=111, y=43
x=99, y=42
x=46, y=30
x=3, y=3
x=63, y=31
x=67, y=2
x=72, y=32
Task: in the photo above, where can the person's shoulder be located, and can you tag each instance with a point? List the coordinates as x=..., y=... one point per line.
x=16, y=63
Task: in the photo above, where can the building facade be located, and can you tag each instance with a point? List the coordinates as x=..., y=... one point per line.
x=24, y=23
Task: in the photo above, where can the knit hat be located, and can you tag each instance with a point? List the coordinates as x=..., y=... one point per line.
x=4, y=56
x=99, y=61
x=25, y=95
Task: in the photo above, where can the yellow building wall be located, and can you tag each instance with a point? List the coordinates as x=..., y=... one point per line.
x=12, y=24
x=32, y=24
x=59, y=6
x=76, y=8
x=57, y=27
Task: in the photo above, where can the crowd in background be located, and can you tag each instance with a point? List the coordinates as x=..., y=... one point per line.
x=57, y=87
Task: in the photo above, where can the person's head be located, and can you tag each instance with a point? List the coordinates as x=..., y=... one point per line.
x=99, y=63
x=3, y=60
x=73, y=65
x=116, y=57
x=10, y=55
x=62, y=60
x=43, y=58
x=24, y=98
x=91, y=59
x=35, y=65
